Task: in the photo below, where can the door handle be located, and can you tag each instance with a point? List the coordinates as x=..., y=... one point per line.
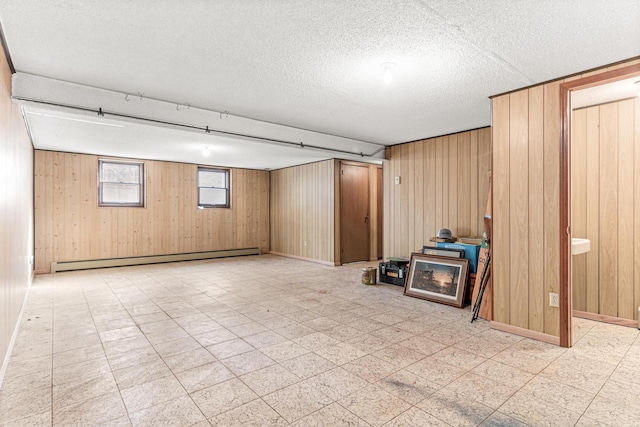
x=366, y=219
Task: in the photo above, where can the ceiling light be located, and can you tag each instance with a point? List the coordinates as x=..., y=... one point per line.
x=387, y=67
x=206, y=152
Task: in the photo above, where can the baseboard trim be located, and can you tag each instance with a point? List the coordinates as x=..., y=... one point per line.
x=14, y=336
x=527, y=333
x=317, y=261
x=152, y=259
x=606, y=319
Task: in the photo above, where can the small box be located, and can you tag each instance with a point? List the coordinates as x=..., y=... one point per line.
x=470, y=252
x=392, y=273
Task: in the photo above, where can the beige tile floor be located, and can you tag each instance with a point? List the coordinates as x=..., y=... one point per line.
x=270, y=341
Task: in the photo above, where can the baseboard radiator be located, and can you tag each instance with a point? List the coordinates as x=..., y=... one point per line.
x=152, y=259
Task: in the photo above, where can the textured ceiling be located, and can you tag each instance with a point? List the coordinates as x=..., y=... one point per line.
x=316, y=65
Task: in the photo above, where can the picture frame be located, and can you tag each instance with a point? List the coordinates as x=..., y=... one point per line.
x=437, y=278
x=449, y=252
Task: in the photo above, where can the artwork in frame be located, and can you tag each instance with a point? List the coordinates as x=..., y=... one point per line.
x=437, y=278
x=433, y=250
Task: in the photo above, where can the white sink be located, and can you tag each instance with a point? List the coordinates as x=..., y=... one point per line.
x=580, y=246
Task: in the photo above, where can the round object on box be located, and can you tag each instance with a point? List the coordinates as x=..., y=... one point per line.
x=369, y=276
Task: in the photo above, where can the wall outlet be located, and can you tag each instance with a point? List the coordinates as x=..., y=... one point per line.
x=554, y=300
x=397, y=180
x=305, y=243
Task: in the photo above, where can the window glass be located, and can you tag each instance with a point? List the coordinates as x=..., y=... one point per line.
x=121, y=183
x=213, y=188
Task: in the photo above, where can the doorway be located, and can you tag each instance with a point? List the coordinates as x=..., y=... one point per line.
x=607, y=192
x=354, y=212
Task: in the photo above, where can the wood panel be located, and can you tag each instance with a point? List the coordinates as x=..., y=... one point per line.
x=608, y=210
x=626, y=145
x=16, y=213
x=443, y=184
x=636, y=204
x=605, y=142
x=536, y=210
x=519, y=209
x=579, y=201
x=375, y=209
x=551, y=147
x=500, y=237
x=430, y=201
x=592, y=300
x=543, y=230
x=303, y=211
x=74, y=228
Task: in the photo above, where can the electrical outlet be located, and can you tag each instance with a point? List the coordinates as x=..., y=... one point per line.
x=305, y=243
x=397, y=180
x=554, y=300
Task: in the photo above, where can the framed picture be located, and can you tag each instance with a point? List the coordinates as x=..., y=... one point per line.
x=437, y=278
x=450, y=252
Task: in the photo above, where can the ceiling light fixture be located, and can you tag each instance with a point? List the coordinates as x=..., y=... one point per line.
x=206, y=151
x=387, y=67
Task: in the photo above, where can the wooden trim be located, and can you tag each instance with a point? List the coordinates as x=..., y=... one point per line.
x=527, y=333
x=356, y=163
x=566, y=298
x=337, y=248
x=603, y=78
x=591, y=70
x=317, y=261
x=605, y=319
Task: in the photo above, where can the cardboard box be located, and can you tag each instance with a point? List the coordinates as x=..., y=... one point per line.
x=471, y=252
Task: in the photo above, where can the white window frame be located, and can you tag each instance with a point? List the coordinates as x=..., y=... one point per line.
x=227, y=172
x=138, y=204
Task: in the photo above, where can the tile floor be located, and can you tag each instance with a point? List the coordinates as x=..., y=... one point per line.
x=271, y=341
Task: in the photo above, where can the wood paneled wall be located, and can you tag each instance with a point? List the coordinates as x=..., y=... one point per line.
x=526, y=187
x=444, y=183
x=70, y=226
x=303, y=211
x=16, y=212
x=605, y=207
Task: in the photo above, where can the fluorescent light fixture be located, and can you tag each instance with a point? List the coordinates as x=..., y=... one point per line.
x=75, y=120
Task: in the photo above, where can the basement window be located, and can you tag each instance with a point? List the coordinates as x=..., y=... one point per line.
x=213, y=188
x=120, y=183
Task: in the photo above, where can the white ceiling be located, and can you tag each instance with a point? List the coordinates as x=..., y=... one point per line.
x=311, y=67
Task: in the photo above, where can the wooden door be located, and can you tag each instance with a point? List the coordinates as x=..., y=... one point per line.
x=379, y=210
x=354, y=213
